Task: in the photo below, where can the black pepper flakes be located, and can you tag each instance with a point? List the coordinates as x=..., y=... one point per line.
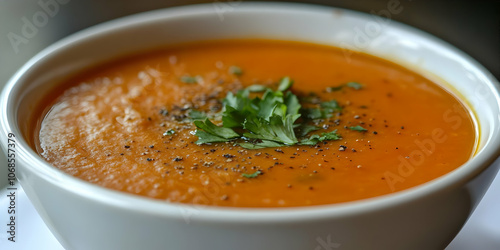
x=178, y=158
x=127, y=146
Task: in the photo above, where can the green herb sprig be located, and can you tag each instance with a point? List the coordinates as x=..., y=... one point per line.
x=270, y=120
x=354, y=85
x=358, y=128
x=253, y=175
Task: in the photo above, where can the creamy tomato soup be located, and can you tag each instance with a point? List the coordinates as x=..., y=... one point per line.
x=254, y=123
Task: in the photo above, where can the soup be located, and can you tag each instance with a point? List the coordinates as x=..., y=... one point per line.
x=254, y=123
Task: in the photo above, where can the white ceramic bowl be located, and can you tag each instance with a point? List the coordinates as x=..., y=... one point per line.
x=85, y=216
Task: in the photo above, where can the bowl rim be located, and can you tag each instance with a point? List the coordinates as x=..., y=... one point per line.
x=144, y=205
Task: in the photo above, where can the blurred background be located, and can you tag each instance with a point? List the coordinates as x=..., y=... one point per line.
x=472, y=26
x=28, y=26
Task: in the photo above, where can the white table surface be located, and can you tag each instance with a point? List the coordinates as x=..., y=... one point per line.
x=482, y=231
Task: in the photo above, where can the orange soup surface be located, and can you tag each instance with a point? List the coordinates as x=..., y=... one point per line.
x=365, y=126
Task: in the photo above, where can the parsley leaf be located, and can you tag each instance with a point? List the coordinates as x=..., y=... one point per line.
x=324, y=112
x=332, y=89
x=196, y=115
x=315, y=113
x=257, y=88
x=305, y=129
x=278, y=129
x=236, y=109
x=331, y=105
x=358, y=128
x=205, y=137
x=270, y=101
x=169, y=132
x=233, y=118
x=261, y=144
x=285, y=84
x=354, y=85
x=292, y=104
x=189, y=79
x=235, y=70
x=314, y=139
x=212, y=133
x=254, y=175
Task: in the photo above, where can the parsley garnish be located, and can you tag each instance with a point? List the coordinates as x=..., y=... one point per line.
x=254, y=175
x=354, y=85
x=314, y=113
x=196, y=115
x=358, y=128
x=333, y=89
x=270, y=120
x=257, y=88
x=169, y=132
x=314, y=139
x=189, y=79
x=331, y=105
x=305, y=129
x=235, y=70
x=209, y=132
